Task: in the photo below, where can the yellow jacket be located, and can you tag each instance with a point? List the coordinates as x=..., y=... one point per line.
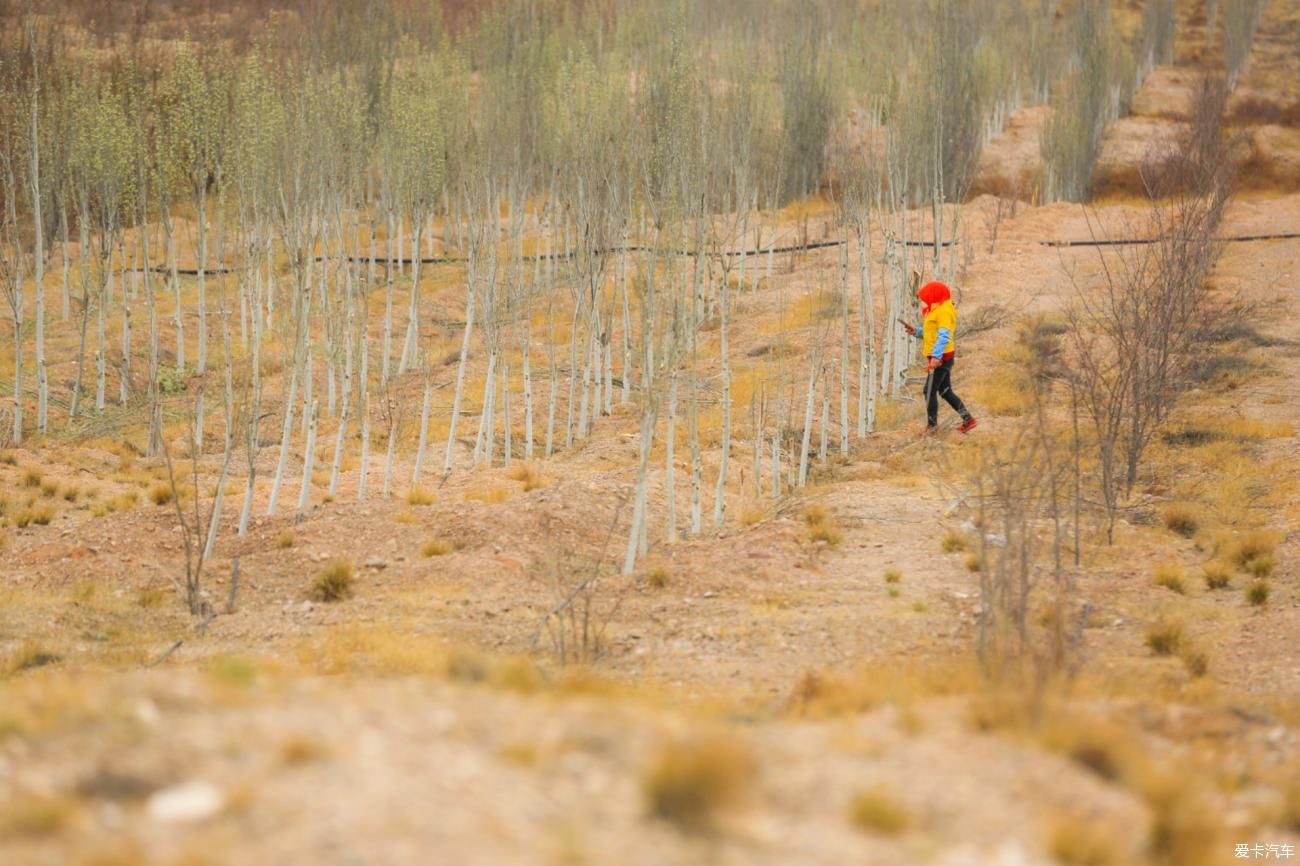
x=939, y=331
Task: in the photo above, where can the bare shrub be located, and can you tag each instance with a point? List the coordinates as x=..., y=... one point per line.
x=1133, y=340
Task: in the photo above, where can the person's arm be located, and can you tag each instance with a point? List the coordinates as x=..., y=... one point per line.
x=941, y=343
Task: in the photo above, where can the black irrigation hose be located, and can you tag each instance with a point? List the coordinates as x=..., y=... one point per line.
x=1139, y=241
x=449, y=260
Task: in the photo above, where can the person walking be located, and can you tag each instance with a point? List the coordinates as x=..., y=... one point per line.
x=938, y=330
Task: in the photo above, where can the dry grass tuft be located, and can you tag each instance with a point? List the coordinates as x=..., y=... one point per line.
x=1002, y=391
x=297, y=750
x=953, y=542
x=1184, y=830
x=1170, y=576
x=1080, y=840
x=876, y=811
x=34, y=516
x=973, y=562
x=333, y=583
x=30, y=656
x=49, y=489
x=821, y=525
x=1257, y=593
x=1244, y=550
x=493, y=494
x=1166, y=639
x=1182, y=519
x=1261, y=566
x=1195, y=660
x=751, y=513
x=161, y=494
x=528, y=475
x=1217, y=575
x=70, y=493
x=151, y=597
x=1099, y=747
x=1290, y=817
x=418, y=496
x=658, y=577
x=285, y=539
x=436, y=547
x=893, y=575
x=8, y=458
x=32, y=478
x=34, y=817
x=690, y=783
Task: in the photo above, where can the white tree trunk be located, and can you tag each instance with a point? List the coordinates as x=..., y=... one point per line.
x=308, y=458
x=528, y=401
x=670, y=480
x=424, y=430
x=450, y=458
x=286, y=436
x=808, y=419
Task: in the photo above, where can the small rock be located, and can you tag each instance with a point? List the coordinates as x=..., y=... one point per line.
x=307, y=606
x=376, y=563
x=192, y=801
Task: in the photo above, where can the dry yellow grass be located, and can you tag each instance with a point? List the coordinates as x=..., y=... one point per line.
x=161, y=494
x=1258, y=592
x=658, y=577
x=492, y=494
x=1243, y=549
x=1217, y=575
x=750, y=513
x=1166, y=638
x=821, y=525
x=879, y=812
x=1082, y=840
x=1002, y=391
x=528, y=475
x=297, y=750
x=1182, y=518
x=418, y=496
x=1170, y=576
x=333, y=582
x=34, y=516
x=436, y=547
x=692, y=782
x=284, y=539
x=953, y=542
x=36, y=817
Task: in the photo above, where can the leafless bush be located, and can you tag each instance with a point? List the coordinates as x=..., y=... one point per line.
x=587, y=596
x=1134, y=340
x=1020, y=486
x=1201, y=161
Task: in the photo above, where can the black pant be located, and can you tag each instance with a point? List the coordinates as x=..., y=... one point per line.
x=940, y=385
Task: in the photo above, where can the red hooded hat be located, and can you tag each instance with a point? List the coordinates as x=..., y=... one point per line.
x=932, y=294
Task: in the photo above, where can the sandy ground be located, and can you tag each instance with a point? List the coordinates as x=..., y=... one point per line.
x=428, y=719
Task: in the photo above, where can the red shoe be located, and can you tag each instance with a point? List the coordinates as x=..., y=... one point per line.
x=967, y=425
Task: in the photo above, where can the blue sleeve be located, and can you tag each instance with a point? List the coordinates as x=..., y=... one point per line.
x=941, y=343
